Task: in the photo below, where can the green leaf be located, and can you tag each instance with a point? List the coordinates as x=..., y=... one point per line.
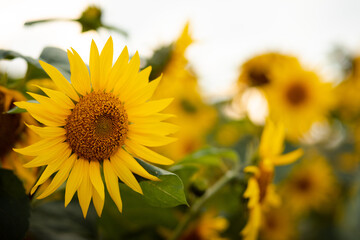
x=210, y=157
x=169, y=192
x=159, y=60
x=9, y=55
x=54, y=56
x=57, y=58
x=14, y=207
x=185, y=172
x=51, y=220
x=138, y=220
x=16, y=110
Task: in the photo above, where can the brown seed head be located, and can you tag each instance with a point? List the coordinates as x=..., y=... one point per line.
x=97, y=126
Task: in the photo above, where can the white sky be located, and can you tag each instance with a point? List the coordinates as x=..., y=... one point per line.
x=227, y=32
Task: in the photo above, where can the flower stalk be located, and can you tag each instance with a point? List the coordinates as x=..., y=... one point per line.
x=196, y=207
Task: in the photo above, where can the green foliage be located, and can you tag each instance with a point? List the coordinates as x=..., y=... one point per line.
x=50, y=220
x=57, y=58
x=211, y=157
x=139, y=220
x=54, y=56
x=200, y=169
x=169, y=192
x=159, y=60
x=89, y=20
x=14, y=207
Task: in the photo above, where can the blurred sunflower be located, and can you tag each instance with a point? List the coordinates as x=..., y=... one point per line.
x=102, y=119
x=298, y=99
x=348, y=93
x=14, y=133
x=228, y=134
x=208, y=227
x=260, y=191
x=194, y=116
x=258, y=71
x=311, y=186
x=278, y=224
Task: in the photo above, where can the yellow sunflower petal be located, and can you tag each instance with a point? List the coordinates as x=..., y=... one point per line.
x=266, y=138
x=98, y=202
x=118, y=70
x=94, y=66
x=80, y=78
x=125, y=175
x=143, y=77
x=59, y=80
x=159, y=128
x=112, y=184
x=126, y=159
x=74, y=180
x=95, y=177
x=40, y=147
x=50, y=105
x=147, y=154
x=154, y=118
x=106, y=58
x=140, y=82
x=85, y=190
x=60, y=177
x=278, y=140
x=150, y=140
x=129, y=77
x=252, y=192
x=52, y=168
x=47, y=132
x=46, y=157
x=40, y=114
x=252, y=169
x=287, y=158
x=58, y=97
x=149, y=108
x=143, y=94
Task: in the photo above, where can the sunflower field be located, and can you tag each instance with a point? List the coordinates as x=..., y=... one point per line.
x=124, y=144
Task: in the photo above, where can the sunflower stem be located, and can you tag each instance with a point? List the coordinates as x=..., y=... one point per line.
x=196, y=207
x=29, y=23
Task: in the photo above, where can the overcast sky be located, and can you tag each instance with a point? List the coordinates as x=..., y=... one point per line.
x=227, y=32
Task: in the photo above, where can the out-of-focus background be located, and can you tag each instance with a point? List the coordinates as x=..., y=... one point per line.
x=266, y=99
x=227, y=33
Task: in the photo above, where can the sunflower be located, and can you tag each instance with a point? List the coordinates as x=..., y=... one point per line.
x=348, y=92
x=278, y=224
x=207, y=227
x=310, y=186
x=260, y=191
x=258, y=71
x=102, y=119
x=193, y=115
x=298, y=99
x=14, y=133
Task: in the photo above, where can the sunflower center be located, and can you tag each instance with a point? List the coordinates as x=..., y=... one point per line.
x=258, y=78
x=271, y=221
x=296, y=94
x=97, y=126
x=10, y=127
x=303, y=184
